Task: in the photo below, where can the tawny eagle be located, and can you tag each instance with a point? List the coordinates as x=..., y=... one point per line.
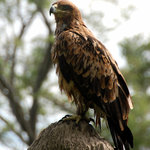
x=89, y=75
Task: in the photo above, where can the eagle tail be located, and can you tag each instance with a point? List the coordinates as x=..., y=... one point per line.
x=122, y=139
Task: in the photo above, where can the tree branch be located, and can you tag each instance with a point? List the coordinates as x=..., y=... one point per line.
x=67, y=135
x=13, y=129
x=18, y=38
x=42, y=73
x=47, y=23
x=9, y=92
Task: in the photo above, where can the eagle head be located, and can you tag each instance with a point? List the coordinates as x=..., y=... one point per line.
x=65, y=11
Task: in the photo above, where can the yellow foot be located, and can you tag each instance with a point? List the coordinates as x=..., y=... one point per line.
x=77, y=118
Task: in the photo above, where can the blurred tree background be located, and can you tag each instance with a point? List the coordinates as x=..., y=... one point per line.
x=137, y=74
x=29, y=96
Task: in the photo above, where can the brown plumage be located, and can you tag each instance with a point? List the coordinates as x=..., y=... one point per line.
x=88, y=74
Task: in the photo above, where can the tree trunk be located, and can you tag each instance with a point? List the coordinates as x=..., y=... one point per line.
x=67, y=135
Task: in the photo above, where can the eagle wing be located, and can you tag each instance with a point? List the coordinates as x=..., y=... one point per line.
x=92, y=62
x=83, y=60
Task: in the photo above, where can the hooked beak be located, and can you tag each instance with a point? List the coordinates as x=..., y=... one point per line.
x=52, y=9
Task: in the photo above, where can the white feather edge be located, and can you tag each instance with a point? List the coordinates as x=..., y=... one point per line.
x=130, y=102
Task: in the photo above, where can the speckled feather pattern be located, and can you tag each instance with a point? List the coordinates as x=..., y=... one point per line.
x=89, y=60
x=87, y=72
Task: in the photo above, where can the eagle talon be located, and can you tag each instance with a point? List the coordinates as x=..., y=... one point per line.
x=77, y=118
x=66, y=117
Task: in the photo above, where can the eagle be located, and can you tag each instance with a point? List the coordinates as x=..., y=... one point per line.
x=89, y=75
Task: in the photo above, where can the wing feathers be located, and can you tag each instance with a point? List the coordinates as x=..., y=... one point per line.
x=89, y=60
x=87, y=65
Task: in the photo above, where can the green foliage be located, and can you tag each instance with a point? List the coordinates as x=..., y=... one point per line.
x=21, y=60
x=137, y=73
x=30, y=69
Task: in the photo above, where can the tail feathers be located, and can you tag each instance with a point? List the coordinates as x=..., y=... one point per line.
x=123, y=140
